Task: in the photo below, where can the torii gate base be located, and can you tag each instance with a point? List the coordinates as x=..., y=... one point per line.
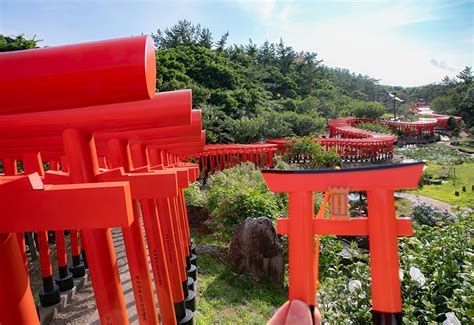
x=381, y=226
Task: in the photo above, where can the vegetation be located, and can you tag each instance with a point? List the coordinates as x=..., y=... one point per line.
x=458, y=176
x=226, y=297
x=451, y=96
x=16, y=43
x=238, y=193
x=308, y=153
x=252, y=93
x=367, y=109
x=374, y=127
x=435, y=154
x=435, y=268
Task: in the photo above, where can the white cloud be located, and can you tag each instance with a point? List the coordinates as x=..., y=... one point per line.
x=364, y=39
x=442, y=65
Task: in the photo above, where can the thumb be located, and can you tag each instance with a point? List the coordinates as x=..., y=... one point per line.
x=298, y=313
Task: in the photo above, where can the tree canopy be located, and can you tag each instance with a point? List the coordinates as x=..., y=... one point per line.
x=255, y=92
x=251, y=93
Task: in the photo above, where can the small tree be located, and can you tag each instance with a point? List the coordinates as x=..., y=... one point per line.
x=453, y=126
x=367, y=109
x=309, y=154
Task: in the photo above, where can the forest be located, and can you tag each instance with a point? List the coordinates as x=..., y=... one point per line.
x=253, y=92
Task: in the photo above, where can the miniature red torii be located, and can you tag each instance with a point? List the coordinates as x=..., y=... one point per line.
x=381, y=226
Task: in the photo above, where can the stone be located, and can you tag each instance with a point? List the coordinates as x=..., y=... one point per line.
x=255, y=248
x=197, y=215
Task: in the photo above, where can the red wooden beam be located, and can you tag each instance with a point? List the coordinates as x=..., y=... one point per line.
x=77, y=75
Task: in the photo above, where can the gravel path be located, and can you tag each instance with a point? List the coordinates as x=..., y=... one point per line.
x=421, y=198
x=82, y=309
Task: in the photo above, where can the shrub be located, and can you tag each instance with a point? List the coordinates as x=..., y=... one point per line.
x=435, y=270
x=438, y=155
x=367, y=109
x=193, y=195
x=244, y=203
x=443, y=257
x=374, y=127
x=238, y=193
x=309, y=154
x=425, y=214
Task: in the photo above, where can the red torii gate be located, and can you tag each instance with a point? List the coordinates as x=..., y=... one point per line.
x=221, y=156
x=50, y=140
x=76, y=126
x=50, y=207
x=381, y=226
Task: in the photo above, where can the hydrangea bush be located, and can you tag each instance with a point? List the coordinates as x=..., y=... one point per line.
x=436, y=155
x=436, y=273
x=425, y=214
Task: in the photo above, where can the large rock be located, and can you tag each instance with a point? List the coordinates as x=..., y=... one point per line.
x=197, y=215
x=254, y=248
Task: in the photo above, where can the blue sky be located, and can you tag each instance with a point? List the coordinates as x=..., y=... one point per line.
x=400, y=42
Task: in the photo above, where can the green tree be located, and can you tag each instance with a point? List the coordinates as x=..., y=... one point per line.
x=367, y=109
x=465, y=75
x=16, y=43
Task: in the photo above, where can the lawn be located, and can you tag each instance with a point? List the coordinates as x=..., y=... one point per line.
x=227, y=297
x=403, y=207
x=464, y=176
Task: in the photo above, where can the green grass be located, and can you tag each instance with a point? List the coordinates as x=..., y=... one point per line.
x=226, y=297
x=445, y=192
x=403, y=207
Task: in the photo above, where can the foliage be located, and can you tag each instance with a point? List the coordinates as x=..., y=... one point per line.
x=435, y=269
x=310, y=154
x=425, y=214
x=443, y=257
x=453, y=126
x=239, y=193
x=367, y=109
x=193, y=195
x=253, y=93
x=458, y=176
x=374, y=127
x=435, y=154
x=451, y=96
x=15, y=43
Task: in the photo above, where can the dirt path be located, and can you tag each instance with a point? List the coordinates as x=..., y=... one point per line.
x=421, y=198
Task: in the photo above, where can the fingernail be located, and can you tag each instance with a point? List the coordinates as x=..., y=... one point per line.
x=299, y=310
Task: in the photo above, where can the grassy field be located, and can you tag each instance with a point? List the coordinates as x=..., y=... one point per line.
x=226, y=297
x=445, y=192
x=403, y=207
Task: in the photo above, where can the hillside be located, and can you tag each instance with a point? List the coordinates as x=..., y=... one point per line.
x=250, y=93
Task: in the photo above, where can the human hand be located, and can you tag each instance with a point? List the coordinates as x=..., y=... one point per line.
x=295, y=312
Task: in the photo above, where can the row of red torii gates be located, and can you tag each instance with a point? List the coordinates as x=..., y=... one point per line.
x=351, y=144
x=117, y=159
x=112, y=146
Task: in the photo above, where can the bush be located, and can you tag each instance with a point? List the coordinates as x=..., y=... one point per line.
x=238, y=193
x=425, y=214
x=193, y=195
x=309, y=154
x=444, y=283
x=374, y=127
x=367, y=109
x=438, y=155
x=435, y=270
x=244, y=203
